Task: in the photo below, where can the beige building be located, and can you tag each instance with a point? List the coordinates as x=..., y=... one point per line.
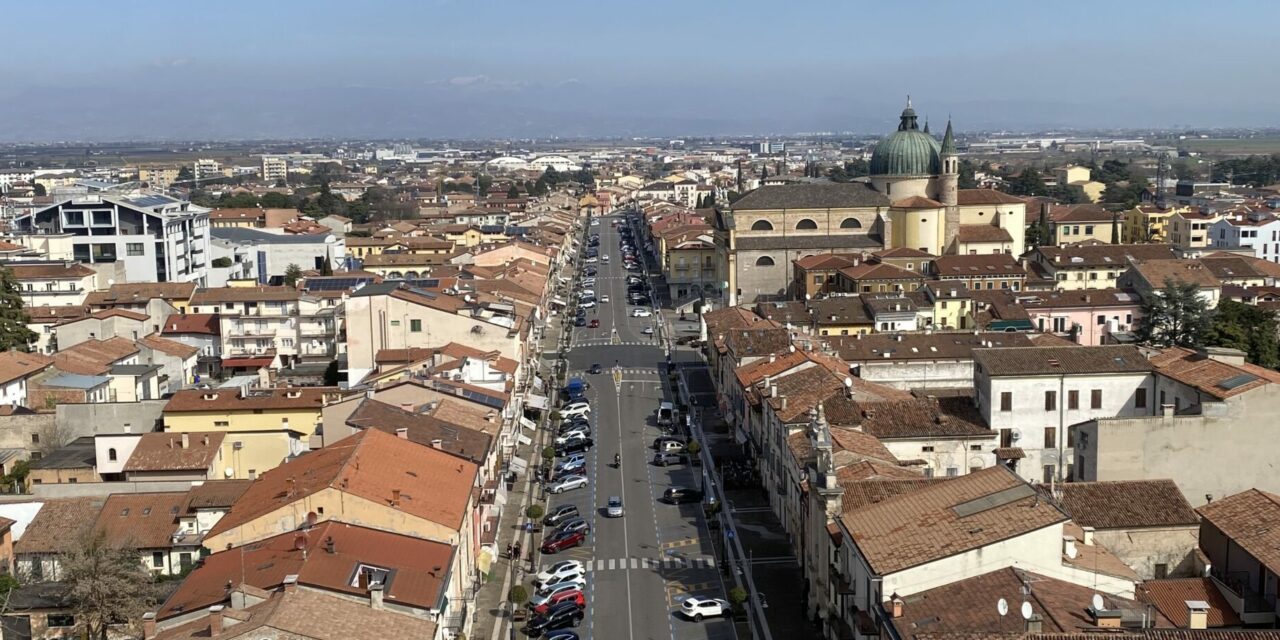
x=274, y=169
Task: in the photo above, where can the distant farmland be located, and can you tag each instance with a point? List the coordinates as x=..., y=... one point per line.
x=1230, y=146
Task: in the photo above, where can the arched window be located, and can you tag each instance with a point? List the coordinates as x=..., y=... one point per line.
x=111, y=454
x=764, y=261
x=806, y=224
x=850, y=223
x=762, y=225
x=395, y=275
x=411, y=275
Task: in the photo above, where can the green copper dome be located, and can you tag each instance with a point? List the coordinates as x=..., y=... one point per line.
x=907, y=151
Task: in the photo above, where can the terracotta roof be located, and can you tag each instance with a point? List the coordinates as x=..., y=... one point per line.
x=1096, y=254
x=756, y=371
x=1222, y=263
x=968, y=606
x=403, y=356
x=917, y=202
x=1125, y=504
x=140, y=520
x=782, y=312
x=722, y=320
x=234, y=400
x=49, y=270
x=1039, y=361
x=983, y=233
x=1082, y=213
x=959, y=515
x=419, y=567
x=466, y=414
x=880, y=271
x=749, y=343
x=58, y=525
x=198, y=323
x=94, y=357
x=902, y=252
x=839, y=311
x=50, y=314
x=848, y=446
x=921, y=346
x=160, y=451
x=221, y=295
x=171, y=347
x=308, y=614
x=1087, y=298
x=986, y=196
x=18, y=364
x=949, y=417
x=423, y=429
x=140, y=293
x=861, y=491
x=1214, y=377
x=432, y=484
x=1095, y=557
x=977, y=266
x=1249, y=518
x=1170, y=597
x=1158, y=272
x=826, y=261
x=215, y=494
x=816, y=195
x=245, y=214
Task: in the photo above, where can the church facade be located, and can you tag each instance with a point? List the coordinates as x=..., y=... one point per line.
x=911, y=199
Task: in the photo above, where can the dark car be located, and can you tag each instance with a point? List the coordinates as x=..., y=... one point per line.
x=681, y=495
x=577, y=446
x=580, y=322
x=565, y=614
x=596, y=369
x=560, y=514
x=591, y=271
x=560, y=541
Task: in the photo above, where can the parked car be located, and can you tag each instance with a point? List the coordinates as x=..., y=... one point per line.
x=663, y=441
x=580, y=321
x=574, y=524
x=613, y=508
x=681, y=495
x=671, y=446
x=696, y=608
x=577, y=468
x=560, y=514
x=561, y=570
x=560, y=634
x=576, y=410
x=568, y=483
x=577, y=446
x=565, y=614
x=546, y=593
x=576, y=433
x=664, y=459
x=574, y=595
x=560, y=542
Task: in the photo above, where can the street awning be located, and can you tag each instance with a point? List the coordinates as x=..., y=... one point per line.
x=523, y=439
x=538, y=402
x=528, y=424
x=251, y=363
x=559, y=301
x=519, y=465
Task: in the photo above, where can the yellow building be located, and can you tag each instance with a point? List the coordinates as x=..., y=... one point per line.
x=1084, y=223
x=990, y=222
x=1189, y=228
x=293, y=409
x=158, y=177
x=402, y=265
x=1148, y=223
x=1092, y=265
x=1081, y=177
x=951, y=302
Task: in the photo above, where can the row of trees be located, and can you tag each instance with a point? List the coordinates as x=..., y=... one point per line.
x=1255, y=170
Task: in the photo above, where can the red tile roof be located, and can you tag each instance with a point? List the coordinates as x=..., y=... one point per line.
x=1170, y=598
x=18, y=364
x=160, y=451
x=198, y=323
x=140, y=520
x=432, y=484
x=94, y=357
x=299, y=398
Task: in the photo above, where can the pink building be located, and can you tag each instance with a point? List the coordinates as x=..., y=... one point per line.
x=1086, y=317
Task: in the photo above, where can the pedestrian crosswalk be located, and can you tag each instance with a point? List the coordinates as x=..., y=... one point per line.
x=614, y=343
x=615, y=564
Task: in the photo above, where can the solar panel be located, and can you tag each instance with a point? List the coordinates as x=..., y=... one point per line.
x=335, y=284
x=423, y=283
x=997, y=499
x=1237, y=381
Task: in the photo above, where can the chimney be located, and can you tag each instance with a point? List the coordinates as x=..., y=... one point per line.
x=773, y=391
x=784, y=402
x=1034, y=623
x=215, y=620
x=1166, y=410
x=205, y=440
x=375, y=595
x=895, y=606
x=1197, y=614
x=437, y=443
x=1069, y=547
x=186, y=441
x=291, y=583
x=402, y=433
x=329, y=545
x=148, y=625
x=1088, y=536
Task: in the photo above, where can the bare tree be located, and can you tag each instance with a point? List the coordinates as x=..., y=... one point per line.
x=107, y=585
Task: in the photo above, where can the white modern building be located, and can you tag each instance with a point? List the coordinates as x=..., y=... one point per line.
x=506, y=164
x=559, y=163
x=157, y=238
x=1256, y=231
x=272, y=253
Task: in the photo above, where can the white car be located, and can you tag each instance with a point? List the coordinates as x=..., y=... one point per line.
x=576, y=404
x=641, y=313
x=544, y=594
x=587, y=293
x=560, y=571
x=587, y=304
x=595, y=223
x=575, y=411
x=648, y=331
x=604, y=299
x=614, y=508
x=697, y=608
x=567, y=483
x=589, y=281
x=573, y=434
x=589, y=261
x=604, y=258
x=569, y=462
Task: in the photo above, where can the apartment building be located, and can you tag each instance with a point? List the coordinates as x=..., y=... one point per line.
x=1092, y=265
x=1255, y=232
x=274, y=169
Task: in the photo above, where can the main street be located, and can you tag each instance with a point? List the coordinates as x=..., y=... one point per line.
x=641, y=566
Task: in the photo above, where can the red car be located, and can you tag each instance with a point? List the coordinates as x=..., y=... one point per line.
x=573, y=595
x=561, y=541
x=594, y=324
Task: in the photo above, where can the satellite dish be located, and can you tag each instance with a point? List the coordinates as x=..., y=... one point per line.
x=1026, y=611
x=1097, y=602
x=848, y=382
x=1003, y=607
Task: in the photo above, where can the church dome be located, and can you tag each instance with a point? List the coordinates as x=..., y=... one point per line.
x=907, y=151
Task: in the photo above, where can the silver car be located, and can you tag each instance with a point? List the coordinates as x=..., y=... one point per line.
x=614, y=507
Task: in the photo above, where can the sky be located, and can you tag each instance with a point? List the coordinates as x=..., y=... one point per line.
x=142, y=70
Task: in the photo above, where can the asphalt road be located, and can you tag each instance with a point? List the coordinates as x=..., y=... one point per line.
x=644, y=564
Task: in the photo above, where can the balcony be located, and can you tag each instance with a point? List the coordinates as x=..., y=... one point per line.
x=1253, y=607
x=316, y=330
x=252, y=332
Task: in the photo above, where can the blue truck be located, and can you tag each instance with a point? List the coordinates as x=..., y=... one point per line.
x=576, y=389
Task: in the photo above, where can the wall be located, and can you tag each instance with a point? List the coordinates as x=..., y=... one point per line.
x=16, y=431
x=947, y=453
x=78, y=475
x=1142, y=549
x=1216, y=455
x=109, y=417
x=123, y=444
x=259, y=452
x=302, y=420
x=45, y=491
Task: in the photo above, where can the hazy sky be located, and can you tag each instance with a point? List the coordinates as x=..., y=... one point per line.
x=368, y=68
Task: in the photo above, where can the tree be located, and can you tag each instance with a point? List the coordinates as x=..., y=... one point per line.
x=274, y=200
x=332, y=376
x=292, y=274
x=1174, y=316
x=1248, y=328
x=1027, y=183
x=737, y=598
x=518, y=595
x=326, y=267
x=14, y=333
x=513, y=192
x=185, y=173
x=534, y=512
x=39, y=190
x=106, y=585
x=968, y=179
x=221, y=263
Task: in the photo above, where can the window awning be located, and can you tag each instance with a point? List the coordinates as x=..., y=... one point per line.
x=538, y=402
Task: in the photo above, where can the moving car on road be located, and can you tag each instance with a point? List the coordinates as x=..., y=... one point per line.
x=696, y=608
x=595, y=322
x=641, y=313
x=595, y=369
x=614, y=508
x=568, y=483
x=604, y=299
